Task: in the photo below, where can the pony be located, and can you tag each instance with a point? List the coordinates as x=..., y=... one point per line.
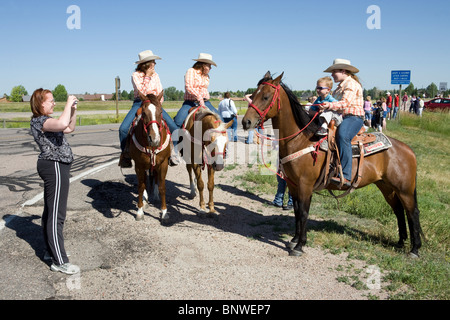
x=206, y=142
x=392, y=170
x=150, y=150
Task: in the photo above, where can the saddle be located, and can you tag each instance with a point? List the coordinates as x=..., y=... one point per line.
x=363, y=144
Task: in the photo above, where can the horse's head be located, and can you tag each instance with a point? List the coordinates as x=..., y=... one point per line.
x=152, y=117
x=265, y=102
x=215, y=139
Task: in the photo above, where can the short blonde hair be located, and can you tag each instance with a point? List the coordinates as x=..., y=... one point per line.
x=327, y=80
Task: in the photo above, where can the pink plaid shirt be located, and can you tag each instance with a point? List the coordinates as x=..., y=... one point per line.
x=196, y=85
x=146, y=85
x=349, y=94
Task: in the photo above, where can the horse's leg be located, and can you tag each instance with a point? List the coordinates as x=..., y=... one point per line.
x=301, y=210
x=211, y=189
x=141, y=176
x=162, y=189
x=412, y=212
x=191, y=182
x=200, y=185
x=394, y=201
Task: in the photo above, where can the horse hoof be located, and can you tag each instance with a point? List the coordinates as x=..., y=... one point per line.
x=413, y=255
x=291, y=245
x=140, y=214
x=164, y=215
x=296, y=253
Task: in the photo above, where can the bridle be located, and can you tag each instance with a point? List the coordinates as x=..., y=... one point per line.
x=147, y=125
x=275, y=98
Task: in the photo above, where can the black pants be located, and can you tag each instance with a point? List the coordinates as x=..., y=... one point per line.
x=56, y=177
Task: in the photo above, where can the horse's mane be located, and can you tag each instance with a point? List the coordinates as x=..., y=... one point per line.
x=301, y=116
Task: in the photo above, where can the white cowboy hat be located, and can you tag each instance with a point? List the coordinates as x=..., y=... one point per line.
x=205, y=57
x=342, y=64
x=147, y=55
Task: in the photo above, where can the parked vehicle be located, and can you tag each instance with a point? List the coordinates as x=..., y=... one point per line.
x=437, y=104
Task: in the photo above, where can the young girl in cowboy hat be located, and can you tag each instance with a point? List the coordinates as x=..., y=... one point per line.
x=146, y=81
x=349, y=94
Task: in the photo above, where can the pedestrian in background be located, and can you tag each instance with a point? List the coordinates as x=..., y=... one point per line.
x=368, y=110
x=228, y=112
x=396, y=105
x=404, y=101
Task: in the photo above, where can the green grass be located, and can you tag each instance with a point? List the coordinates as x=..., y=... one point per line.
x=363, y=224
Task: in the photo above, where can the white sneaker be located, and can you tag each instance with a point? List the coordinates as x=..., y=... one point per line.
x=66, y=268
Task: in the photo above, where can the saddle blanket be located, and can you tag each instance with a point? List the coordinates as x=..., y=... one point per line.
x=381, y=143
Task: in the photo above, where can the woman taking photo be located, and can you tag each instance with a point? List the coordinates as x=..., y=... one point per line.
x=53, y=166
x=349, y=94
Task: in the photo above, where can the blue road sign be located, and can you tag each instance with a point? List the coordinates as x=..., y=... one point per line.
x=400, y=76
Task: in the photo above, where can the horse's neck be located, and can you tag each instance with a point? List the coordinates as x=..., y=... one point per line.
x=286, y=125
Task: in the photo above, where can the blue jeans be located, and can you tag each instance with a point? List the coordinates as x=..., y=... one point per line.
x=395, y=112
x=347, y=130
x=251, y=133
x=184, y=111
x=232, y=132
x=126, y=123
x=170, y=123
x=279, y=196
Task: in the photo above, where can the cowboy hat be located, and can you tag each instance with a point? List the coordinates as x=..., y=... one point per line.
x=147, y=55
x=342, y=64
x=205, y=57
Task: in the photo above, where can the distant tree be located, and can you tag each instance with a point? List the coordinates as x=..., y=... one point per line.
x=432, y=90
x=17, y=92
x=410, y=89
x=124, y=95
x=172, y=94
x=60, y=93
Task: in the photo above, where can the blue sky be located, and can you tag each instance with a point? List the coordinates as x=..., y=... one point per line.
x=245, y=38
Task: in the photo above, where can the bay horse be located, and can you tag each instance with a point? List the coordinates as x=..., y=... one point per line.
x=150, y=150
x=204, y=143
x=392, y=170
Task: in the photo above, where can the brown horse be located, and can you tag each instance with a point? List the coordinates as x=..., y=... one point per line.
x=204, y=144
x=393, y=170
x=150, y=150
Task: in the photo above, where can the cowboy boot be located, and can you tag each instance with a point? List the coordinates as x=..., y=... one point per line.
x=125, y=158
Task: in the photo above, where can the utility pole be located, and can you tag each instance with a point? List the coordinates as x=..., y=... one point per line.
x=117, y=96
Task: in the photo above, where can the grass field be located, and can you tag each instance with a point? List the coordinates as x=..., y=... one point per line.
x=364, y=225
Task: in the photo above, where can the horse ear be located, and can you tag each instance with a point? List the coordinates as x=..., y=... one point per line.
x=267, y=75
x=160, y=96
x=278, y=79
